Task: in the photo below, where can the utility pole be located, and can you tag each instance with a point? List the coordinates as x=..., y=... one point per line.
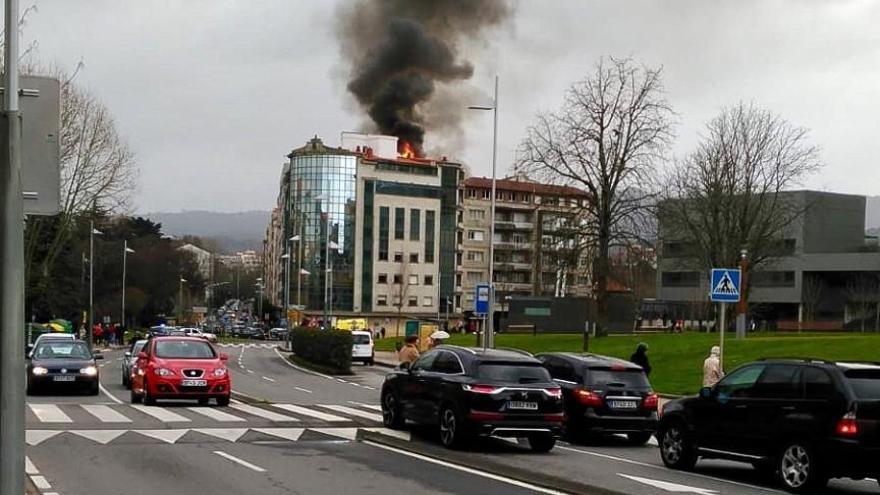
x=92, y=232
x=742, y=307
x=180, y=302
x=125, y=251
x=12, y=366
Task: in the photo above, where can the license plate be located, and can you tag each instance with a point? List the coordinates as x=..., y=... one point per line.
x=63, y=378
x=524, y=406
x=622, y=404
x=193, y=383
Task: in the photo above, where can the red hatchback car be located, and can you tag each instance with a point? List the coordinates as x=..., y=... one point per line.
x=180, y=368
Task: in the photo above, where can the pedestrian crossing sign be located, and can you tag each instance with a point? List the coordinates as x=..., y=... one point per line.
x=725, y=285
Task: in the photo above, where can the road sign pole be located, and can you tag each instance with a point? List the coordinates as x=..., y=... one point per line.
x=722, y=327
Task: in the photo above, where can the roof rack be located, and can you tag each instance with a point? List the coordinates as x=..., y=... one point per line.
x=799, y=359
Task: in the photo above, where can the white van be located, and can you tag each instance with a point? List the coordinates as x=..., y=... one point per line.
x=362, y=350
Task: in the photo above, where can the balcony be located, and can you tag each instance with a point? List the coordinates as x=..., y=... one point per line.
x=512, y=265
x=511, y=225
x=517, y=246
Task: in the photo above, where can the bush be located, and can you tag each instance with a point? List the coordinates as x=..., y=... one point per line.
x=327, y=348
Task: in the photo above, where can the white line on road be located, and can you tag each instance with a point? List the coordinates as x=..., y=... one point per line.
x=250, y=371
x=49, y=413
x=215, y=414
x=105, y=414
x=29, y=467
x=300, y=368
x=353, y=412
x=262, y=413
x=108, y=394
x=161, y=413
x=41, y=483
x=240, y=462
x=503, y=479
x=303, y=390
x=310, y=412
x=268, y=379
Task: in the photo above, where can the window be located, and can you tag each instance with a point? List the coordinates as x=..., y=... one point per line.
x=398, y=257
x=396, y=300
x=382, y=300
x=680, y=279
x=864, y=382
x=415, y=224
x=475, y=256
x=397, y=279
x=519, y=239
x=477, y=214
x=428, y=301
x=383, y=278
x=429, y=280
x=447, y=363
x=383, y=233
x=817, y=384
x=740, y=382
x=399, y=221
x=471, y=193
x=560, y=370
x=429, y=236
x=475, y=235
x=778, y=381
x=759, y=278
x=413, y=280
x=457, y=279
x=485, y=193
x=413, y=302
x=413, y=257
x=474, y=277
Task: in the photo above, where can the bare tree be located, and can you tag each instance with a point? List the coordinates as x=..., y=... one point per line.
x=400, y=292
x=862, y=292
x=728, y=195
x=613, y=128
x=812, y=292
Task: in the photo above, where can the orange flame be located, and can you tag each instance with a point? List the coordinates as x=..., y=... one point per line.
x=406, y=150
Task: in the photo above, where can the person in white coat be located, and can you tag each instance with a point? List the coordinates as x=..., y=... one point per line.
x=712, y=372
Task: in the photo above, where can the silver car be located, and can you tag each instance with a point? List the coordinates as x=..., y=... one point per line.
x=131, y=356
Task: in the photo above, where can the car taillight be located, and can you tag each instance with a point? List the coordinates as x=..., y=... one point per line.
x=481, y=389
x=847, y=426
x=650, y=402
x=588, y=397
x=556, y=393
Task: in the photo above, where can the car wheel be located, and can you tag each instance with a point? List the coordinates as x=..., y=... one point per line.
x=542, y=443
x=149, y=400
x=392, y=417
x=451, y=434
x=798, y=469
x=676, y=450
x=31, y=389
x=203, y=401
x=95, y=389
x=124, y=381
x=223, y=401
x=371, y=362
x=135, y=398
x=640, y=438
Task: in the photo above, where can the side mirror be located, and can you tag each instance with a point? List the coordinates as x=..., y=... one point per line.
x=405, y=366
x=128, y=354
x=224, y=356
x=142, y=355
x=98, y=355
x=706, y=392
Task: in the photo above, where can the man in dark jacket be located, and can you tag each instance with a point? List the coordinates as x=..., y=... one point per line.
x=640, y=357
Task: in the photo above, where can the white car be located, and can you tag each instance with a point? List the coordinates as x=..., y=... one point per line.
x=362, y=350
x=195, y=332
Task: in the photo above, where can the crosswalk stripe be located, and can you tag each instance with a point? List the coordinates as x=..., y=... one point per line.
x=263, y=413
x=291, y=434
x=346, y=433
x=167, y=436
x=49, y=413
x=36, y=437
x=29, y=467
x=100, y=436
x=161, y=413
x=105, y=414
x=215, y=414
x=372, y=406
x=353, y=412
x=228, y=434
x=310, y=412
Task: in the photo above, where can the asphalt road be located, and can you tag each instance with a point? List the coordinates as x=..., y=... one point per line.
x=296, y=431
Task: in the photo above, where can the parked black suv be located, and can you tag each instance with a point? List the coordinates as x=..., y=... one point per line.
x=603, y=395
x=803, y=420
x=471, y=392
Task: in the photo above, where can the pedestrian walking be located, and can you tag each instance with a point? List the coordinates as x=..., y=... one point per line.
x=712, y=372
x=382, y=332
x=410, y=350
x=640, y=357
x=98, y=334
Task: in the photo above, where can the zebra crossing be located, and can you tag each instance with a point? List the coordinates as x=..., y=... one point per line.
x=137, y=423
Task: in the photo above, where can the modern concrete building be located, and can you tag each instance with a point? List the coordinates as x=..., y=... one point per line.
x=273, y=249
x=202, y=257
x=535, y=255
x=825, y=277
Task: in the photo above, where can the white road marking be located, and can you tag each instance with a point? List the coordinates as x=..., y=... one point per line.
x=108, y=394
x=303, y=390
x=503, y=479
x=250, y=371
x=40, y=482
x=263, y=413
x=310, y=412
x=346, y=433
x=403, y=435
x=353, y=412
x=167, y=436
x=105, y=414
x=29, y=467
x=667, y=486
x=228, y=434
x=368, y=406
x=301, y=368
x=100, y=436
x=216, y=414
x=161, y=413
x=49, y=413
x=291, y=434
x=268, y=379
x=240, y=462
x=36, y=437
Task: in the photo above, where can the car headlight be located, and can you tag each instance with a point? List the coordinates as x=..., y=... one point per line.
x=89, y=371
x=39, y=370
x=220, y=372
x=163, y=372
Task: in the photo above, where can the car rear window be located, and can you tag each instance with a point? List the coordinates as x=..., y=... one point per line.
x=627, y=378
x=515, y=373
x=361, y=339
x=865, y=382
x=184, y=349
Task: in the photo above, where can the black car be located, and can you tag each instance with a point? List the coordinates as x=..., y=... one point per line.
x=603, y=395
x=470, y=392
x=804, y=421
x=62, y=364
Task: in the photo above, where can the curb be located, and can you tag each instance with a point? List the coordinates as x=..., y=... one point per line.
x=491, y=467
x=248, y=399
x=384, y=364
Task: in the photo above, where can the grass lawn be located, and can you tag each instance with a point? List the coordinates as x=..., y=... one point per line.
x=677, y=360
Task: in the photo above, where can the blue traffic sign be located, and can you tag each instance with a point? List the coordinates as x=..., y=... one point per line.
x=481, y=307
x=725, y=285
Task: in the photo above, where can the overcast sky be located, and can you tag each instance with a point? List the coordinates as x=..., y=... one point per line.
x=212, y=94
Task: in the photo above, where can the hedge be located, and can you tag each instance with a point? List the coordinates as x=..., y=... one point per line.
x=327, y=348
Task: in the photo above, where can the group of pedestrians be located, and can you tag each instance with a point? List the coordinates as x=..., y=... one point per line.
x=107, y=334
x=712, y=370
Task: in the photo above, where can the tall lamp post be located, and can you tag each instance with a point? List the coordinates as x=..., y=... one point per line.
x=259, y=304
x=488, y=332
x=92, y=233
x=180, y=302
x=296, y=239
x=125, y=251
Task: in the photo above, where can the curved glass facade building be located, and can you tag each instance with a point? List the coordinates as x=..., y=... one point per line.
x=321, y=209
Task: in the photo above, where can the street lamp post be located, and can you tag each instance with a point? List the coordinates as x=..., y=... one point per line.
x=92, y=232
x=125, y=251
x=259, y=304
x=489, y=337
x=180, y=301
x=295, y=239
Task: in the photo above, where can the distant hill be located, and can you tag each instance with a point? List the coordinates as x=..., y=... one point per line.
x=232, y=231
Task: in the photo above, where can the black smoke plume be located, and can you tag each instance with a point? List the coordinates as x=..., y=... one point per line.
x=400, y=49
